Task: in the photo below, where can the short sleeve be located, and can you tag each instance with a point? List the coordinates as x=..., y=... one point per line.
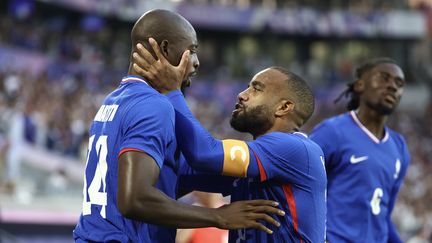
x=405, y=151
x=327, y=138
x=282, y=157
x=149, y=127
x=393, y=234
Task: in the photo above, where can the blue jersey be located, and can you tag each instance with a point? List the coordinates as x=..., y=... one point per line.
x=291, y=172
x=287, y=168
x=364, y=176
x=134, y=117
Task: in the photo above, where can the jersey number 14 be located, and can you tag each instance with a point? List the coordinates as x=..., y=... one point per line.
x=99, y=179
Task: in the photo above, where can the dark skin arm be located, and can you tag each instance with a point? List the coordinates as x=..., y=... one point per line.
x=139, y=199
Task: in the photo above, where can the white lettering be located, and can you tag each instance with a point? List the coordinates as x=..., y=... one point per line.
x=106, y=113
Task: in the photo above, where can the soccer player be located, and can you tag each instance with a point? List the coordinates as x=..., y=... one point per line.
x=280, y=164
x=132, y=164
x=365, y=160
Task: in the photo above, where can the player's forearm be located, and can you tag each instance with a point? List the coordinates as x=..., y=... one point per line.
x=201, y=150
x=139, y=199
x=154, y=207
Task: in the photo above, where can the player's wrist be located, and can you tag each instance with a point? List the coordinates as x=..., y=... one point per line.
x=219, y=220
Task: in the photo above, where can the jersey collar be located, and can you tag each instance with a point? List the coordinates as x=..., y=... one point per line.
x=368, y=133
x=301, y=133
x=133, y=78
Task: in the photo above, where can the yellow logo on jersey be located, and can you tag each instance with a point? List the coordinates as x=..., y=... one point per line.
x=236, y=158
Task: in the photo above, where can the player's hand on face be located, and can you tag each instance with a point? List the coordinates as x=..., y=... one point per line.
x=162, y=76
x=245, y=214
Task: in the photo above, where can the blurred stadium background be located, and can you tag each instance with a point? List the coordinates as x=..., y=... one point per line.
x=59, y=58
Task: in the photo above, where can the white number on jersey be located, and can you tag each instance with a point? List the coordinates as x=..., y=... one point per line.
x=376, y=200
x=241, y=235
x=397, y=168
x=99, y=178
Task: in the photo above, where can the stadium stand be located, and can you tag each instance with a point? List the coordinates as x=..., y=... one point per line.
x=58, y=59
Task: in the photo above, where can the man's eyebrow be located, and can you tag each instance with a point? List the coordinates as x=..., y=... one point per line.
x=258, y=83
x=389, y=74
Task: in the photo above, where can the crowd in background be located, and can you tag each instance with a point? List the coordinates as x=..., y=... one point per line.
x=363, y=5
x=52, y=106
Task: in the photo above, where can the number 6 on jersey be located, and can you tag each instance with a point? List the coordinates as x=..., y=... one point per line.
x=376, y=200
x=94, y=195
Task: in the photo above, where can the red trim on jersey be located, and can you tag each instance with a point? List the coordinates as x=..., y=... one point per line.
x=263, y=175
x=128, y=150
x=289, y=195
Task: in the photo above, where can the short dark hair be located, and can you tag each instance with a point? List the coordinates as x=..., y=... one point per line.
x=302, y=93
x=161, y=25
x=365, y=67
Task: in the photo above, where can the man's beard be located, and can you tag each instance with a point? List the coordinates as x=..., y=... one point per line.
x=256, y=121
x=381, y=109
x=184, y=85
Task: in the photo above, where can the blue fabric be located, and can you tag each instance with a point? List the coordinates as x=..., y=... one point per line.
x=143, y=121
x=292, y=173
x=364, y=177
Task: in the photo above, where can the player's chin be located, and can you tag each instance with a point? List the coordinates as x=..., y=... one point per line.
x=390, y=103
x=184, y=85
x=187, y=82
x=236, y=113
x=386, y=108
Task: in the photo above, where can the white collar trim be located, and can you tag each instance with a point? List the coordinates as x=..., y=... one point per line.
x=303, y=134
x=131, y=78
x=371, y=135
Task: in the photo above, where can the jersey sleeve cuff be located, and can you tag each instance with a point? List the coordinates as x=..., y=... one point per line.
x=262, y=172
x=129, y=150
x=159, y=161
x=258, y=166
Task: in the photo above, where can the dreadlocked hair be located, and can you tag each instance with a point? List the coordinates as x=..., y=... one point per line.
x=349, y=92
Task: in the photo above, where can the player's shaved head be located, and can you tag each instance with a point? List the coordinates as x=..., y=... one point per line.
x=161, y=25
x=299, y=92
x=275, y=100
x=174, y=35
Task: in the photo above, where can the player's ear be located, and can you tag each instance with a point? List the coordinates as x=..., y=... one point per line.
x=284, y=107
x=359, y=85
x=164, y=48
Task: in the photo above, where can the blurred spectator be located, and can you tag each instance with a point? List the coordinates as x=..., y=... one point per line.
x=49, y=98
x=201, y=235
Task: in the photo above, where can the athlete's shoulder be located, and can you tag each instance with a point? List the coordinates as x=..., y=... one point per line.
x=142, y=103
x=278, y=137
x=334, y=121
x=157, y=108
x=396, y=135
x=288, y=156
x=332, y=127
x=399, y=139
x=278, y=142
x=141, y=94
